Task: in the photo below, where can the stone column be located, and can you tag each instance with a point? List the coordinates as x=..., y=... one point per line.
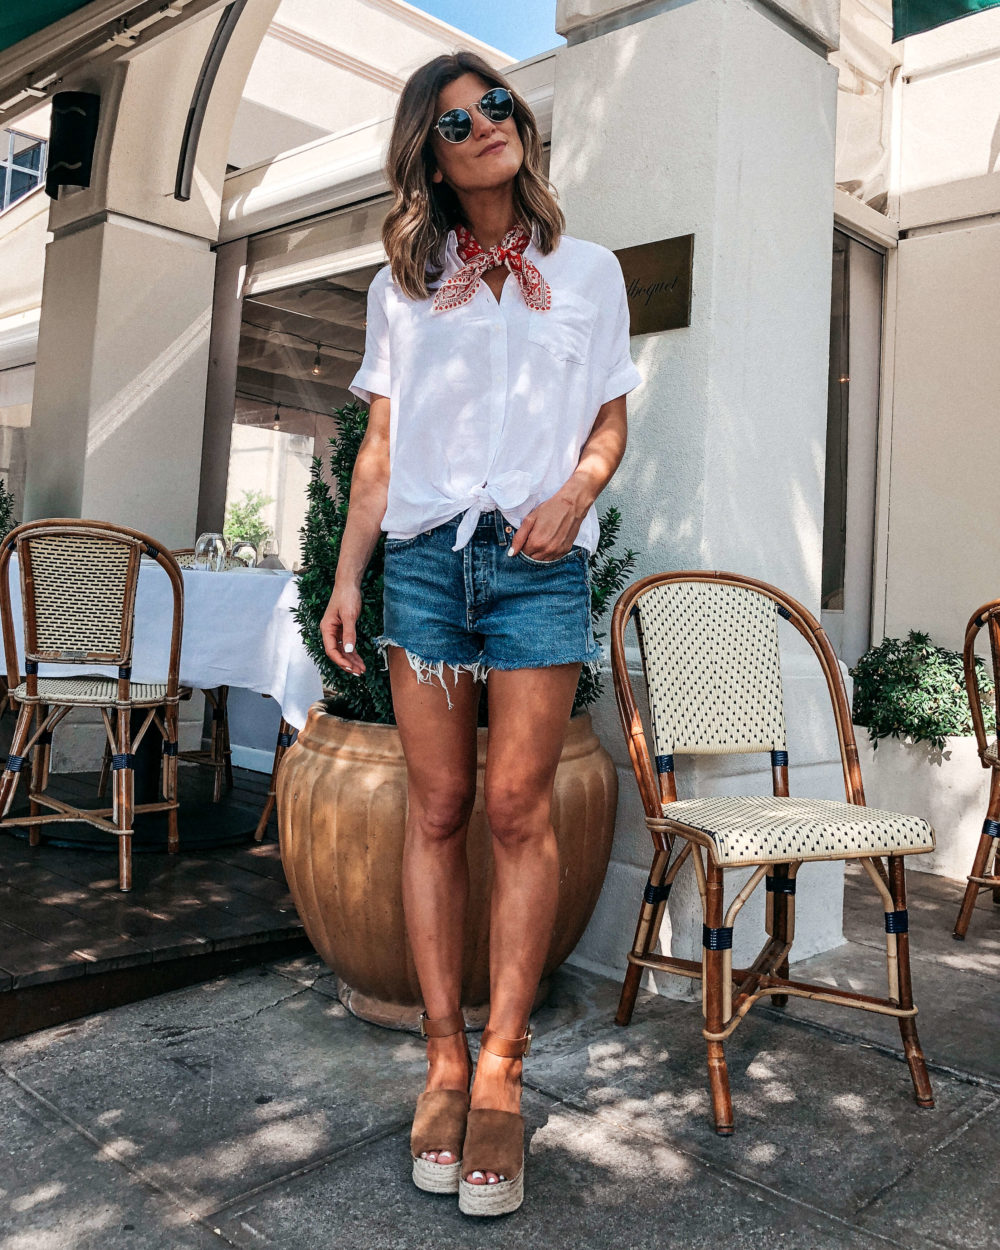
x=717, y=118
x=119, y=401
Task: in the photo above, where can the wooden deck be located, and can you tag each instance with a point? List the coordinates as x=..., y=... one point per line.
x=71, y=943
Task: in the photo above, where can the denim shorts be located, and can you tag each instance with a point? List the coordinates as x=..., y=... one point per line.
x=479, y=609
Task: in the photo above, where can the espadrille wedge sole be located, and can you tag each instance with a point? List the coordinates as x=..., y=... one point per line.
x=436, y=1178
x=494, y=1142
x=439, y=1121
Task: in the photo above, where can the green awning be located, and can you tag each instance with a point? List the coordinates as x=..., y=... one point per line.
x=21, y=18
x=910, y=17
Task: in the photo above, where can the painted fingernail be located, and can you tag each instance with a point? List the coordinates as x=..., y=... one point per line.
x=348, y=646
x=510, y=551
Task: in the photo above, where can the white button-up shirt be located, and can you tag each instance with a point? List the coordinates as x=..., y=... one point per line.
x=491, y=402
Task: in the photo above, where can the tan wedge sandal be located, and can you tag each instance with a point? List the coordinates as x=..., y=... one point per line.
x=494, y=1142
x=439, y=1120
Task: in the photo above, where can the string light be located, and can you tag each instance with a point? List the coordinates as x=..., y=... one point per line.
x=277, y=417
x=278, y=332
x=317, y=367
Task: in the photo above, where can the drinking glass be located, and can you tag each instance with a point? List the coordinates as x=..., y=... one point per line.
x=210, y=552
x=243, y=549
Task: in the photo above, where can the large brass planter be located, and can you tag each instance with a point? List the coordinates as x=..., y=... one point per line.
x=341, y=814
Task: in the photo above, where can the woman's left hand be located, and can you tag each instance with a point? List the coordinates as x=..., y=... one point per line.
x=548, y=531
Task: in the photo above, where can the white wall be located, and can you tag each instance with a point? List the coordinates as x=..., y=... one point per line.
x=724, y=467
x=943, y=543
x=943, y=550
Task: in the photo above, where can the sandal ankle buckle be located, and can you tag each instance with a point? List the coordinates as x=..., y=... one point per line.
x=423, y=1031
x=529, y=1035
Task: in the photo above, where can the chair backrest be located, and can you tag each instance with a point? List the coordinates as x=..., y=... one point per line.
x=710, y=657
x=708, y=643
x=78, y=585
x=988, y=617
x=185, y=558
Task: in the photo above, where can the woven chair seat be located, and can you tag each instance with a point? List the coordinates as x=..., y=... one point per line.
x=765, y=829
x=992, y=753
x=96, y=691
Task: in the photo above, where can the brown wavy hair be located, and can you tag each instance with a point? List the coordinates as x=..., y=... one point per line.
x=417, y=224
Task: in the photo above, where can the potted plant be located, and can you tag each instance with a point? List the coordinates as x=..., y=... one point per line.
x=342, y=786
x=918, y=752
x=7, y=518
x=244, y=520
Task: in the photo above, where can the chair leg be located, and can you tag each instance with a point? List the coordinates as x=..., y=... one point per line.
x=713, y=971
x=646, y=932
x=908, y=1025
x=102, y=784
x=987, y=845
x=213, y=744
x=996, y=873
x=777, y=926
x=227, y=750
x=39, y=774
x=123, y=800
x=15, y=761
x=171, y=716
x=219, y=751
x=284, y=741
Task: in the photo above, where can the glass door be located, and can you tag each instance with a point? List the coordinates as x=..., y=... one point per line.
x=851, y=445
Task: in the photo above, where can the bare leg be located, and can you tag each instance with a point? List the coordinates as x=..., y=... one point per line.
x=439, y=744
x=529, y=714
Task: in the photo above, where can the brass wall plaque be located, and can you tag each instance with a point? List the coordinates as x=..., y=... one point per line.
x=658, y=282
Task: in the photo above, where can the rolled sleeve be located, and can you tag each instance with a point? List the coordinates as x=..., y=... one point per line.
x=622, y=375
x=373, y=376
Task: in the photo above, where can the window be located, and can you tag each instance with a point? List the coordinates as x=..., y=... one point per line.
x=22, y=166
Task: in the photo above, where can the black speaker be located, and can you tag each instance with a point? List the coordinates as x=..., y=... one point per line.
x=71, y=140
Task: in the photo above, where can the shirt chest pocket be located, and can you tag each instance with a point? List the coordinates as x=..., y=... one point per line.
x=565, y=329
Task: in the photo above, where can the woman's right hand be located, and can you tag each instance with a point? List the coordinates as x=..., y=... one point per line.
x=338, y=629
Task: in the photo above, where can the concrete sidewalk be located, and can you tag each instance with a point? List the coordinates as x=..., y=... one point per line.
x=253, y=1111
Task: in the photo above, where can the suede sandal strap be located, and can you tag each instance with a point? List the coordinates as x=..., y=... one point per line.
x=443, y=1026
x=439, y=1122
x=505, y=1047
x=494, y=1142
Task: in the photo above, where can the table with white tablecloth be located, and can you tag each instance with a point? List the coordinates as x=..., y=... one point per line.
x=238, y=631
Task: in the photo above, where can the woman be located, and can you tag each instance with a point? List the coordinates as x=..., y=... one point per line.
x=496, y=367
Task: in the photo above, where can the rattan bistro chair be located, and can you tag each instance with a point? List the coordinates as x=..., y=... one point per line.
x=986, y=865
x=78, y=586
x=709, y=649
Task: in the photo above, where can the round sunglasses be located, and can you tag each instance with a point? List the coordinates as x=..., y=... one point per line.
x=455, y=126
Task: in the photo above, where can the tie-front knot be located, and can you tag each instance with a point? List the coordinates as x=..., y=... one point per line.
x=506, y=492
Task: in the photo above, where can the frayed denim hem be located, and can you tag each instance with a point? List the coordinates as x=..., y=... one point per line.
x=480, y=670
x=592, y=666
x=428, y=669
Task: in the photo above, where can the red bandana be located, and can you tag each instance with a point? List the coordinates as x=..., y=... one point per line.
x=461, y=286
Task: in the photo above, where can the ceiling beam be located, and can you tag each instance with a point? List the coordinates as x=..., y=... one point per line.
x=84, y=42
